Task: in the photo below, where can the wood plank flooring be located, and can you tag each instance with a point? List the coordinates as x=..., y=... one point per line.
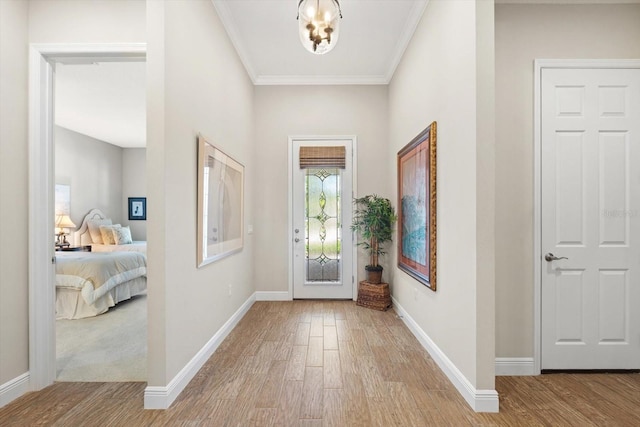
x=310, y=363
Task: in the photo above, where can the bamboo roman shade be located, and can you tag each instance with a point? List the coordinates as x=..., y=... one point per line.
x=322, y=157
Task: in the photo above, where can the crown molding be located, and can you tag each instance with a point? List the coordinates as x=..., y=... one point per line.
x=230, y=26
x=403, y=41
x=320, y=80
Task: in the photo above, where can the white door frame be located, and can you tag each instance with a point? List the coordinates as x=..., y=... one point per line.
x=354, y=190
x=539, y=65
x=42, y=347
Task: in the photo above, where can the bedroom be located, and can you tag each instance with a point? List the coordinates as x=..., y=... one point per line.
x=100, y=163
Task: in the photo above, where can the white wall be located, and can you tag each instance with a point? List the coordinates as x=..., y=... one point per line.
x=101, y=175
x=524, y=33
x=281, y=111
x=82, y=21
x=14, y=209
x=93, y=170
x=440, y=80
x=196, y=84
x=485, y=194
x=134, y=184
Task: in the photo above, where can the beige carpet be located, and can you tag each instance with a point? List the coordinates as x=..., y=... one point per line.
x=109, y=347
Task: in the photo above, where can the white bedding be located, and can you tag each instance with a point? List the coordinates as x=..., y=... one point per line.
x=136, y=246
x=89, y=283
x=71, y=305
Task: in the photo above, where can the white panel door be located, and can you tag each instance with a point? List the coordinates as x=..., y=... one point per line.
x=322, y=236
x=590, y=219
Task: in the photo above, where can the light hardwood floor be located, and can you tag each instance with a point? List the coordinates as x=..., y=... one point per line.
x=310, y=363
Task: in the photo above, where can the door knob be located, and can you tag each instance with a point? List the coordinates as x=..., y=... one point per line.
x=551, y=257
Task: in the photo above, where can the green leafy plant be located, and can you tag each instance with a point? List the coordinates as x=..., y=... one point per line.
x=373, y=218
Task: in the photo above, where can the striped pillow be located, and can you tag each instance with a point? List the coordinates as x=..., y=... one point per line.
x=107, y=233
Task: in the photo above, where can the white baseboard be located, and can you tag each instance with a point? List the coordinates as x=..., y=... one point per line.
x=162, y=397
x=514, y=366
x=272, y=296
x=14, y=388
x=479, y=400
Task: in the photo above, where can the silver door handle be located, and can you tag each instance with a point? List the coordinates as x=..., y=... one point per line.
x=551, y=257
x=296, y=240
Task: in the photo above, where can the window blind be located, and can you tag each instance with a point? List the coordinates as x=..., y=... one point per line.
x=325, y=157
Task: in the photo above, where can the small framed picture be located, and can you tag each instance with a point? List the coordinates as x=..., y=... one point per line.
x=137, y=208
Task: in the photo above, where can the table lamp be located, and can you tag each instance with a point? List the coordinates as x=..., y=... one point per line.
x=63, y=223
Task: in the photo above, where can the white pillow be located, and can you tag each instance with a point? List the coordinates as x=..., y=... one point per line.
x=94, y=228
x=107, y=233
x=122, y=235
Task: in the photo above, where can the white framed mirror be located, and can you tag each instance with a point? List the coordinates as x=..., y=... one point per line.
x=220, y=204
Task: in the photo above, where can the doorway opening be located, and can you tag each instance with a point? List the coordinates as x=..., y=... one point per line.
x=42, y=302
x=100, y=162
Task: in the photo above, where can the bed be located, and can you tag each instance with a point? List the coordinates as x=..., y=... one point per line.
x=88, y=236
x=89, y=283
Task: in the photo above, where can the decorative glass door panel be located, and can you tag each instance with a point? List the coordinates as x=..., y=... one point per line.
x=322, y=225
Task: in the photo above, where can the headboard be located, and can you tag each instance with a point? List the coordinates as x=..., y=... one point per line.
x=82, y=236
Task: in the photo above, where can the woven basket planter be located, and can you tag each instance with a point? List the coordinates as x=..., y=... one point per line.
x=374, y=276
x=375, y=296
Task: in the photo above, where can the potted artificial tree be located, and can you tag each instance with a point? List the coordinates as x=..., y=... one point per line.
x=373, y=218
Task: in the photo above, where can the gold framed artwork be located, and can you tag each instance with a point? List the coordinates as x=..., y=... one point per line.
x=417, y=232
x=220, y=204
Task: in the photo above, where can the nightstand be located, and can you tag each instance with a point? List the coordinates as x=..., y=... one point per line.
x=85, y=248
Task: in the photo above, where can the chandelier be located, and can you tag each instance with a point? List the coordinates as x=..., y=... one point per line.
x=318, y=24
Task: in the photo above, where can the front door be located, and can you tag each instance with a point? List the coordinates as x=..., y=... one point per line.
x=590, y=219
x=322, y=211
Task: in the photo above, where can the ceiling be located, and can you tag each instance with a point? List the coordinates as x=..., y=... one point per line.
x=105, y=100
x=373, y=37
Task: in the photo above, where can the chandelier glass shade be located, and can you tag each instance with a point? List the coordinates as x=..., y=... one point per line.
x=319, y=24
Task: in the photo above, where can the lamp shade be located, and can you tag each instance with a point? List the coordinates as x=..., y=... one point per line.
x=319, y=24
x=63, y=221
